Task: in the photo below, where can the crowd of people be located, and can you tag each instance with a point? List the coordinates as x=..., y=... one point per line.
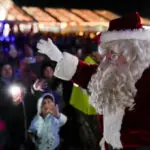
x=75, y=90
x=22, y=65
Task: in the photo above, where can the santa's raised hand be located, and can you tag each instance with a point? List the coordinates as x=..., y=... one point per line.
x=50, y=49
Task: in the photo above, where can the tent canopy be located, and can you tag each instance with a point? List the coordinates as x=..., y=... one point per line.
x=59, y=17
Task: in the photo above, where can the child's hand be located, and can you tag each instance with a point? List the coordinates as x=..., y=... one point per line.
x=55, y=111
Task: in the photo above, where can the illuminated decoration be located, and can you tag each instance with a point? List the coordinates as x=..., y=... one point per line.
x=6, y=30
x=63, y=25
x=38, y=14
x=4, y=6
x=56, y=14
x=107, y=14
x=64, y=15
x=35, y=28
x=3, y=13
x=90, y=16
x=9, y=11
x=92, y=35
x=14, y=13
x=81, y=33
x=97, y=33
x=6, y=3
x=15, y=28
x=70, y=15
x=25, y=27
x=41, y=25
x=49, y=26
x=145, y=21
x=34, y=19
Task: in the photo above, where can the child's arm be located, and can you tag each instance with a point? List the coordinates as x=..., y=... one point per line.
x=62, y=119
x=32, y=131
x=32, y=128
x=36, y=126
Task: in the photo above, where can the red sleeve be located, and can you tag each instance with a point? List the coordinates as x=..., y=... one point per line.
x=84, y=73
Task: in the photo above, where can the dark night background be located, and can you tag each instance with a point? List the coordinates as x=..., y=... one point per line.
x=117, y=6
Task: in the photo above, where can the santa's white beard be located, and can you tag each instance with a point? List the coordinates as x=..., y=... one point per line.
x=113, y=86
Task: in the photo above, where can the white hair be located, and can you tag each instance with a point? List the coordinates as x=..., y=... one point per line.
x=113, y=86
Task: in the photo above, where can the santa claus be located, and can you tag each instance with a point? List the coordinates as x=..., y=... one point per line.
x=119, y=85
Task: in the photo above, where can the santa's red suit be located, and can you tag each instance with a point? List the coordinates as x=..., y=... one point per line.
x=119, y=86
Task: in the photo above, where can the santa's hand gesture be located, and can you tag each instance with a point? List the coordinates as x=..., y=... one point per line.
x=49, y=48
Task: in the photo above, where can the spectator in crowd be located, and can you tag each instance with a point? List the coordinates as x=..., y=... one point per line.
x=47, y=83
x=44, y=128
x=11, y=113
x=32, y=69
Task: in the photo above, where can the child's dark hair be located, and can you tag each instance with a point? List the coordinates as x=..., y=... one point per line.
x=48, y=97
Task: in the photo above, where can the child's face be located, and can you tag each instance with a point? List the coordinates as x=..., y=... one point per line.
x=47, y=106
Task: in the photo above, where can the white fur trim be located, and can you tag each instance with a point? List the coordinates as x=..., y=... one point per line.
x=112, y=127
x=102, y=143
x=39, y=103
x=66, y=68
x=139, y=34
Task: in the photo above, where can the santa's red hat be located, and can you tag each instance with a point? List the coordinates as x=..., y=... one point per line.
x=125, y=28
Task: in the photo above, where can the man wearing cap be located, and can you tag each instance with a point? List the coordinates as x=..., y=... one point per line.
x=119, y=86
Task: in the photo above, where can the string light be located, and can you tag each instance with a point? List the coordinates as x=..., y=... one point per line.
x=63, y=25
x=3, y=13
x=35, y=27
x=81, y=33
x=15, y=28
x=41, y=25
x=6, y=30
x=92, y=35
x=97, y=33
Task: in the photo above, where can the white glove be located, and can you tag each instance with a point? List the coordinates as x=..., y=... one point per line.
x=49, y=49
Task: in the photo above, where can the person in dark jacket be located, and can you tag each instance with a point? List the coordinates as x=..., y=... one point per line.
x=48, y=83
x=10, y=112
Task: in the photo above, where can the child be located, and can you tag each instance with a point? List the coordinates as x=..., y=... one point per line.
x=46, y=124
